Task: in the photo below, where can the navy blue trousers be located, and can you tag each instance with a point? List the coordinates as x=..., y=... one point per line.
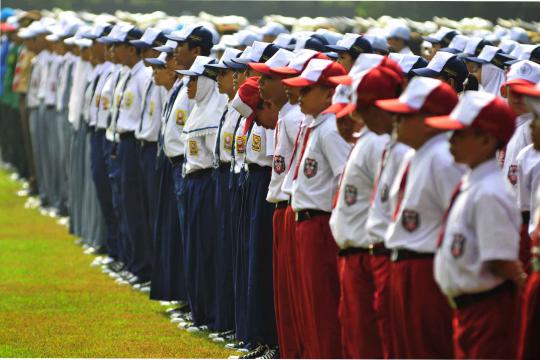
x=168, y=281
x=104, y=191
x=150, y=185
x=260, y=319
x=131, y=205
x=224, y=250
x=199, y=235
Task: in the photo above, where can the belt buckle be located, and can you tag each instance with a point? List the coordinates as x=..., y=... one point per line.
x=371, y=249
x=535, y=264
x=394, y=255
x=296, y=216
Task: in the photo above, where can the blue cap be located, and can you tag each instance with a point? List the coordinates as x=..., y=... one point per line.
x=353, y=44
x=198, y=35
x=6, y=12
x=152, y=37
x=445, y=64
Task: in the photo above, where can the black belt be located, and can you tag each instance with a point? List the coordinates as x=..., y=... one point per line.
x=175, y=160
x=100, y=131
x=461, y=301
x=256, y=167
x=372, y=249
x=282, y=204
x=92, y=128
x=143, y=143
x=403, y=254
x=304, y=215
x=224, y=166
x=127, y=135
x=198, y=174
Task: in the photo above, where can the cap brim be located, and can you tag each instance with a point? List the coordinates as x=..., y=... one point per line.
x=165, y=49
x=260, y=68
x=426, y=72
x=175, y=38
x=335, y=108
x=155, y=61
x=284, y=71
x=527, y=90
x=394, y=106
x=516, y=82
x=242, y=61
x=450, y=50
x=107, y=40
x=432, y=40
x=341, y=80
x=444, y=123
x=187, y=73
x=336, y=48
x=298, y=82
x=216, y=66
x=235, y=66
x=475, y=59
x=140, y=44
x=511, y=62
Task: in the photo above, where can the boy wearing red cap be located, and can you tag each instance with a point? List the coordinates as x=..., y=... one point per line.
x=530, y=321
x=420, y=314
x=477, y=265
x=357, y=312
x=321, y=162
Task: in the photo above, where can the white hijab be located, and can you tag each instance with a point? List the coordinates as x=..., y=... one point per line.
x=209, y=107
x=492, y=77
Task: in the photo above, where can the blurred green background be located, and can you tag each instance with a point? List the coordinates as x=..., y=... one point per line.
x=253, y=10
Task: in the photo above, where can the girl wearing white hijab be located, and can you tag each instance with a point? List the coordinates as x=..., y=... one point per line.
x=197, y=200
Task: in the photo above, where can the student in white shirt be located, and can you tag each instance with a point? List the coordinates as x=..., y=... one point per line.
x=477, y=265
x=419, y=195
x=321, y=161
x=530, y=320
x=363, y=265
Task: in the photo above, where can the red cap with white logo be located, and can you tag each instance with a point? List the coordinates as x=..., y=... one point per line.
x=298, y=63
x=480, y=110
x=423, y=94
x=523, y=73
x=317, y=72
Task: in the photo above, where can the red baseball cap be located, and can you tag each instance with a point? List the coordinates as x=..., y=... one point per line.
x=522, y=73
x=317, y=72
x=247, y=98
x=480, y=110
x=379, y=82
x=422, y=95
x=527, y=90
x=298, y=63
x=281, y=58
x=362, y=63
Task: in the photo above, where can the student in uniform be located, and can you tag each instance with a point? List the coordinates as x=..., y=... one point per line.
x=357, y=261
x=489, y=69
x=420, y=315
x=530, y=319
x=321, y=161
x=446, y=67
x=349, y=48
x=398, y=39
x=477, y=265
x=224, y=296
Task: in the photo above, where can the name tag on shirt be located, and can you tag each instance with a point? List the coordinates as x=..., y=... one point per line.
x=105, y=103
x=180, y=117
x=193, y=148
x=256, y=145
x=241, y=144
x=128, y=100
x=151, y=108
x=227, y=141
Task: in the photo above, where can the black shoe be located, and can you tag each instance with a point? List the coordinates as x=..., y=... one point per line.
x=270, y=353
x=255, y=353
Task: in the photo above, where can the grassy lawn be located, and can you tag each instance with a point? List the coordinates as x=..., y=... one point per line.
x=53, y=304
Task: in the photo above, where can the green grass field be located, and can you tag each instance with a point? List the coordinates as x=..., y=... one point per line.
x=53, y=304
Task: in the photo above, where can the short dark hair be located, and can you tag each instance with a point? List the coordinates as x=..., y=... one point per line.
x=205, y=49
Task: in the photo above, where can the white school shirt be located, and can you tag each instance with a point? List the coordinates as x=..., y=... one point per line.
x=260, y=146
x=483, y=225
x=106, y=95
x=200, y=152
x=520, y=139
x=431, y=180
x=87, y=96
x=239, y=146
x=321, y=165
x=132, y=98
x=51, y=84
x=174, y=140
x=150, y=118
x=289, y=120
x=528, y=161
x=111, y=133
x=406, y=50
x=288, y=181
x=106, y=69
x=380, y=212
x=32, y=99
x=226, y=135
x=45, y=61
x=65, y=76
x=348, y=220
x=167, y=106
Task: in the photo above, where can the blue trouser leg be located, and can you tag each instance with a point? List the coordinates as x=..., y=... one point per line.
x=224, y=251
x=241, y=209
x=168, y=282
x=104, y=192
x=149, y=180
x=261, y=325
x=132, y=208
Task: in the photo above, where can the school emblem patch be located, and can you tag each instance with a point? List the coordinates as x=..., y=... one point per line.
x=151, y=108
x=279, y=164
x=512, y=174
x=105, y=102
x=256, y=144
x=128, y=100
x=410, y=220
x=180, y=117
x=310, y=168
x=385, y=190
x=227, y=141
x=240, y=144
x=458, y=242
x=97, y=100
x=193, y=148
x=350, y=194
